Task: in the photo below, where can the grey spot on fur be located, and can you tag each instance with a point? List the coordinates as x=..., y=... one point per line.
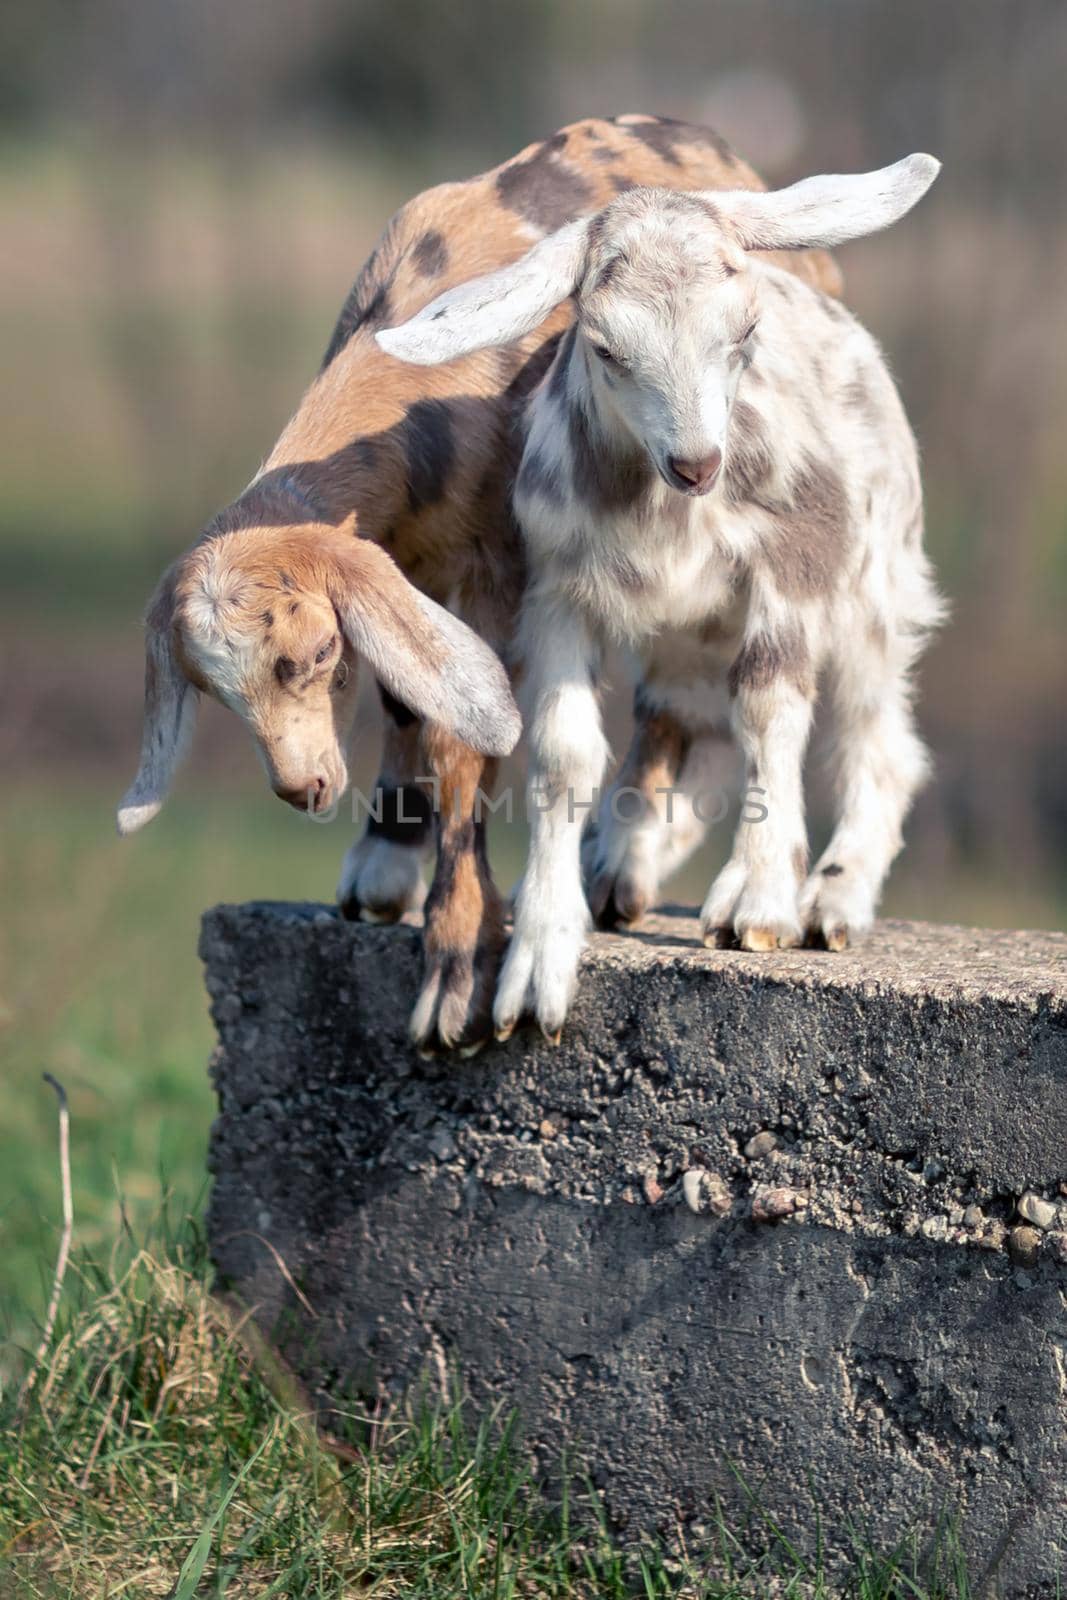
x=557, y=379
x=858, y=396
x=544, y=189
x=582, y=564
x=749, y=460
x=604, y=478
x=832, y=871
x=540, y=477
x=430, y=254
x=764, y=659
x=804, y=547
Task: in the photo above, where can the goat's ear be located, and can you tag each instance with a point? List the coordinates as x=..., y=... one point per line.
x=169, y=715
x=825, y=211
x=426, y=657
x=494, y=309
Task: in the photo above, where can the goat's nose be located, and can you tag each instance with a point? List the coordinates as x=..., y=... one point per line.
x=699, y=475
x=306, y=796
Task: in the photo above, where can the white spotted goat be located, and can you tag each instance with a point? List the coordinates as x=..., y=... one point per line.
x=718, y=473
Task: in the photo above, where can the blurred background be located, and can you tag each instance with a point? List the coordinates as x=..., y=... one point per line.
x=186, y=192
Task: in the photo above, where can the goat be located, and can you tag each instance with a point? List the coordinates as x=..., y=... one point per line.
x=719, y=474
x=290, y=585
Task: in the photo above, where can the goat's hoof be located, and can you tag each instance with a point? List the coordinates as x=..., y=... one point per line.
x=836, y=939
x=759, y=939
x=469, y=1050
x=615, y=903
x=504, y=1032
x=552, y=1038
x=721, y=938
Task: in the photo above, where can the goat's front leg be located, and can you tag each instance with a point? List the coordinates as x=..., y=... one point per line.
x=567, y=757
x=464, y=936
x=381, y=875
x=754, y=898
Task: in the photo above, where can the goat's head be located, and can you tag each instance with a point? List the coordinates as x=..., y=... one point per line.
x=666, y=307
x=272, y=622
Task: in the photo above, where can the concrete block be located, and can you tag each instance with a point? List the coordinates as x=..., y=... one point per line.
x=757, y=1212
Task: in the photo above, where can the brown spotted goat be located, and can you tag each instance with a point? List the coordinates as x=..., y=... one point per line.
x=386, y=500
x=718, y=473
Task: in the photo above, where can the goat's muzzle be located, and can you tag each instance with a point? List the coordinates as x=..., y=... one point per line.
x=313, y=795
x=695, y=477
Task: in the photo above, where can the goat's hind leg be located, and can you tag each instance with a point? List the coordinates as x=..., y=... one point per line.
x=382, y=873
x=681, y=764
x=880, y=762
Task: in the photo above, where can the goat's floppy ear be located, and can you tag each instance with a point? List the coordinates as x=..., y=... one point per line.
x=825, y=211
x=494, y=309
x=169, y=715
x=427, y=658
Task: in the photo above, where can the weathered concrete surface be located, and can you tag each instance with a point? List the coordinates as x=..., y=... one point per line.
x=893, y=1340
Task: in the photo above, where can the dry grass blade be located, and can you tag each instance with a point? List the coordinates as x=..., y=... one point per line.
x=64, y=1245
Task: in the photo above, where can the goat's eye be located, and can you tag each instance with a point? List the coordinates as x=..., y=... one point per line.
x=749, y=331
x=605, y=354
x=326, y=650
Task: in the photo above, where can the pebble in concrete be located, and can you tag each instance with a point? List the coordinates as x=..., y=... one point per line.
x=771, y=1205
x=1024, y=1245
x=706, y=1193
x=1042, y=1213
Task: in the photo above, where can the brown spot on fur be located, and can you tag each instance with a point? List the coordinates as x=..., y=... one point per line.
x=664, y=136
x=543, y=188
x=430, y=253
x=285, y=670
x=800, y=862
x=430, y=449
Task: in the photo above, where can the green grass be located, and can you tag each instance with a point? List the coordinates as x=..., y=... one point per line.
x=164, y=1452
